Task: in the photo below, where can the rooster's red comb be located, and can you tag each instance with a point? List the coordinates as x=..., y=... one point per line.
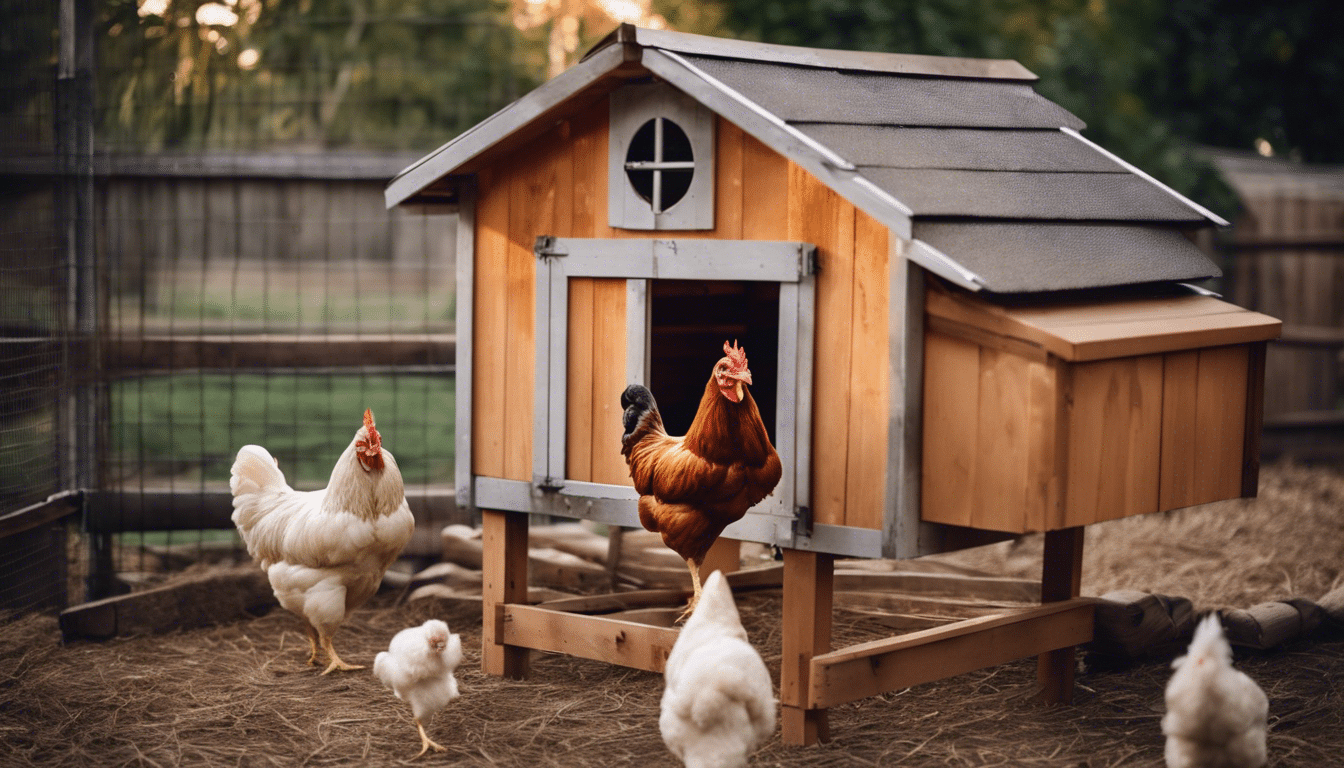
x=368, y=418
x=737, y=356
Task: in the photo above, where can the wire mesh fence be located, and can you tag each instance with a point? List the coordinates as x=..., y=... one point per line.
x=250, y=285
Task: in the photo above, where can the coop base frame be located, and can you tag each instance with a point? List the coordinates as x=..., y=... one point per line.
x=812, y=676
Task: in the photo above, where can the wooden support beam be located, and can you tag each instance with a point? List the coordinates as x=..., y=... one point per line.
x=1061, y=580
x=725, y=556
x=214, y=598
x=894, y=663
x=809, y=581
x=503, y=581
x=129, y=354
x=589, y=637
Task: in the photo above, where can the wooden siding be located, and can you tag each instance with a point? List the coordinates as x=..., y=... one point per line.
x=1016, y=443
x=557, y=186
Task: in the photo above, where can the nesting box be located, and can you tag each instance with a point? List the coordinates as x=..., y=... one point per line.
x=964, y=321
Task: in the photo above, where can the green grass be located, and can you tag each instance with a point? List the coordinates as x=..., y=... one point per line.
x=189, y=426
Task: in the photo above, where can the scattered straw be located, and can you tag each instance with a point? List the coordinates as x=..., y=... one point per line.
x=240, y=694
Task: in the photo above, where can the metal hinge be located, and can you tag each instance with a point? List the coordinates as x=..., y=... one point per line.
x=548, y=484
x=545, y=247
x=807, y=259
x=802, y=522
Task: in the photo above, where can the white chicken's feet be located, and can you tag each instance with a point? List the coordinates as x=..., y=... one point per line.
x=336, y=663
x=426, y=743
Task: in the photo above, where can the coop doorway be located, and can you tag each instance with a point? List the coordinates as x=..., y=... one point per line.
x=682, y=300
x=689, y=320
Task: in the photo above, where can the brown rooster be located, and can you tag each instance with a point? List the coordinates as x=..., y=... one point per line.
x=693, y=487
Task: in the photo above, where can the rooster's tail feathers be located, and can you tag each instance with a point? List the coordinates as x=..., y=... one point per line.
x=255, y=471
x=639, y=406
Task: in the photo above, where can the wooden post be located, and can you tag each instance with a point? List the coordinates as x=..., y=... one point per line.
x=504, y=580
x=725, y=555
x=809, y=581
x=1061, y=579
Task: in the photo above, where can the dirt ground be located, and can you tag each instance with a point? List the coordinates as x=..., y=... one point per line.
x=239, y=694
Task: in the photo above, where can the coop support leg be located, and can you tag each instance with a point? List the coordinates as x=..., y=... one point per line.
x=725, y=556
x=503, y=580
x=809, y=581
x=1061, y=579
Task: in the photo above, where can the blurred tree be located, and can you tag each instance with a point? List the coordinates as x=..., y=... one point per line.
x=384, y=74
x=1150, y=77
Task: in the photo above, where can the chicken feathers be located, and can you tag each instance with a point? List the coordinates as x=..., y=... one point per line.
x=718, y=703
x=324, y=552
x=1216, y=715
x=694, y=486
x=418, y=666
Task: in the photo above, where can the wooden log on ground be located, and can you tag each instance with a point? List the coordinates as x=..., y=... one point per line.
x=1134, y=625
x=1269, y=625
x=213, y=598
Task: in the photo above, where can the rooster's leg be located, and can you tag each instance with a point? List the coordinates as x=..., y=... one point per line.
x=336, y=662
x=695, y=583
x=312, y=642
x=426, y=743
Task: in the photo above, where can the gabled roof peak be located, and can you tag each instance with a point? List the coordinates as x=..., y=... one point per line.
x=860, y=61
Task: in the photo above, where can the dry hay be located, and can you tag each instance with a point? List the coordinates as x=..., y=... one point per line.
x=239, y=694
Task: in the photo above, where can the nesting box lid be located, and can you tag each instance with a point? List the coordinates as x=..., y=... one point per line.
x=1077, y=330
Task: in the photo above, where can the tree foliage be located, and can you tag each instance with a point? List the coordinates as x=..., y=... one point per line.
x=1150, y=77
x=384, y=74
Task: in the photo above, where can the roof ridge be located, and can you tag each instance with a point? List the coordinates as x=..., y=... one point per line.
x=828, y=58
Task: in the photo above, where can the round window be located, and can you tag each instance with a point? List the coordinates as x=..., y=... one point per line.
x=660, y=163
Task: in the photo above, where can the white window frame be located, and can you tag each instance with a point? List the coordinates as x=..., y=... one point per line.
x=790, y=264
x=631, y=107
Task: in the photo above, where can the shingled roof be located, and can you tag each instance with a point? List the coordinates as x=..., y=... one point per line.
x=992, y=183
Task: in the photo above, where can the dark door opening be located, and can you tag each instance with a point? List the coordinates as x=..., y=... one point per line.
x=690, y=320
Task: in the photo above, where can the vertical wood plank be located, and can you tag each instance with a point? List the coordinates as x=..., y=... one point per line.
x=490, y=332
x=951, y=426
x=532, y=197
x=503, y=580
x=1220, y=420
x=817, y=215
x=1047, y=445
x=809, y=581
x=1061, y=579
x=579, y=382
x=588, y=143
x=765, y=190
x=1180, y=375
x=588, y=137
x=728, y=203
x=608, y=381
x=1115, y=439
x=1001, y=458
x=865, y=483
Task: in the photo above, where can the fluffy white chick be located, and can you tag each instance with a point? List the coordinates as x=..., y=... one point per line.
x=418, y=666
x=1216, y=715
x=718, y=704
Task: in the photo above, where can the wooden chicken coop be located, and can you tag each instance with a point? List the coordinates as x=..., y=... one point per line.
x=965, y=321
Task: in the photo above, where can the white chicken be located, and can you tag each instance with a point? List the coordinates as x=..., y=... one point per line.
x=718, y=704
x=418, y=666
x=1216, y=715
x=324, y=552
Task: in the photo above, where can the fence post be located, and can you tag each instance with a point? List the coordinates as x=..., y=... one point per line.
x=77, y=414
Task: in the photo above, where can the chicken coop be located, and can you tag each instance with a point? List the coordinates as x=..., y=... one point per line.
x=966, y=322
